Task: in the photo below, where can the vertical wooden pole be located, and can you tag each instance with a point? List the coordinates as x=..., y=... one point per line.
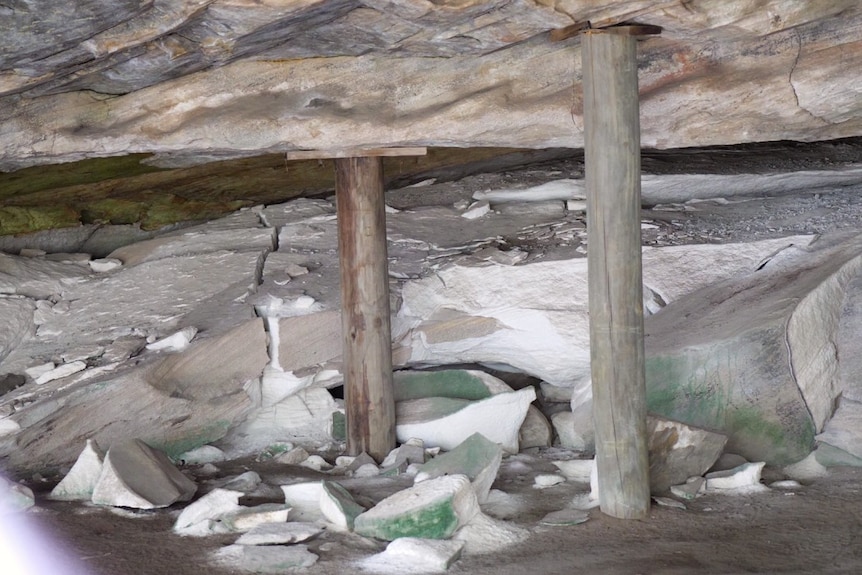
x=367, y=355
x=612, y=149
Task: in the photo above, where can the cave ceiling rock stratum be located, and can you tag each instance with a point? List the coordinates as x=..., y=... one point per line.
x=199, y=79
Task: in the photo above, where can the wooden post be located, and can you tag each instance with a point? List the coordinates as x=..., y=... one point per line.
x=612, y=150
x=365, y=313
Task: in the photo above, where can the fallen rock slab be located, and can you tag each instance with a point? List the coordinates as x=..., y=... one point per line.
x=266, y=558
x=432, y=509
x=138, y=476
x=279, y=533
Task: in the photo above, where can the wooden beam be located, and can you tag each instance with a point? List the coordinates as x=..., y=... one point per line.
x=612, y=150
x=354, y=153
x=365, y=315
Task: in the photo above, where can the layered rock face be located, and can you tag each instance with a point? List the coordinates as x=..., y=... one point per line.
x=199, y=79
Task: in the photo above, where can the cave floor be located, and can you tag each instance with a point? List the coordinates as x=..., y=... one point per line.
x=811, y=529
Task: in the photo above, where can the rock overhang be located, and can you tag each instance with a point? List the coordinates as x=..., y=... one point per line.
x=226, y=78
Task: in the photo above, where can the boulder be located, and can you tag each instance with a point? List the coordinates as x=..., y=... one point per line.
x=304, y=498
x=432, y=509
x=138, y=476
x=445, y=422
x=758, y=362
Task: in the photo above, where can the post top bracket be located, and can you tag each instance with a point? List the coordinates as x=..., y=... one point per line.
x=623, y=29
x=354, y=153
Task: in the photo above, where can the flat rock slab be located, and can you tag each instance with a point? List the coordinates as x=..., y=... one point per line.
x=136, y=475
x=565, y=517
x=432, y=509
x=338, y=506
x=279, y=533
x=266, y=558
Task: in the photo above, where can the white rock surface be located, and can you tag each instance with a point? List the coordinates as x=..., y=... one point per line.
x=103, y=265
x=200, y=517
x=544, y=480
x=79, y=483
x=279, y=533
x=175, y=342
x=14, y=497
x=578, y=470
x=304, y=499
x=247, y=518
x=61, y=371
x=201, y=455
x=136, y=475
x=338, y=506
x=739, y=480
x=414, y=555
x=445, y=422
x=483, y=535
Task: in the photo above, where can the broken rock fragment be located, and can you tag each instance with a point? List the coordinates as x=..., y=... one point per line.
x=79, y=483
x=477, y=458
x=338, y=506
x=678, y=451
x=432, y=509
x=739, y=480
x=266, y=558
x=136, y=475
x=414, y=555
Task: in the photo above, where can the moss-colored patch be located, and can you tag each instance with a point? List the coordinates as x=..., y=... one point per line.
x=339, y=426
x=25, y=219
x=437, y=521
x=38, y=178
x=165, y=209
x=113, y=211
x=454, y=383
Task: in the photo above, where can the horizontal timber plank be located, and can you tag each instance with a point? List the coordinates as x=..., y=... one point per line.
x=354, y=153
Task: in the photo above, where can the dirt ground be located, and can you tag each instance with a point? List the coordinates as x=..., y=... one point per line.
x=815, y=528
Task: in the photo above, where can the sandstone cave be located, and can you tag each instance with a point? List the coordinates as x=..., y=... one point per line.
x=446, y=286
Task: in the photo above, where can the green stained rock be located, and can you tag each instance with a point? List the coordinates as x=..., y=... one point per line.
x=477, y=458
x=453, y=383
x=432, y=509
x=338, y=506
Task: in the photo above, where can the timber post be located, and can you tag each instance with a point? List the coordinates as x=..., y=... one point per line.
x=365, y=310
x=613, y=182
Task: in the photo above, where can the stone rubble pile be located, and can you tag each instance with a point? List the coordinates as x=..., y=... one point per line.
x=228, y=333
x=421, y=511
